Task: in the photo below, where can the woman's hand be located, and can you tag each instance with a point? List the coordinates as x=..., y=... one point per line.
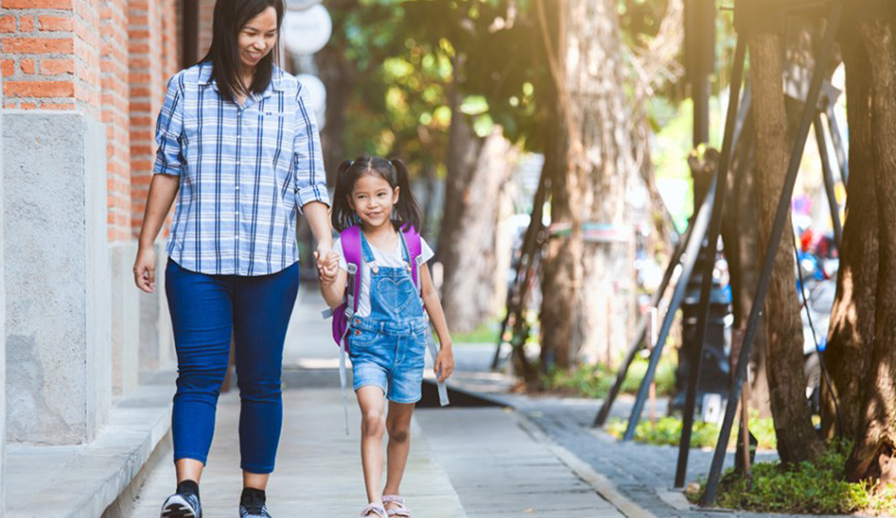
x=444, y=364
x=327, y=266
x=145, y=269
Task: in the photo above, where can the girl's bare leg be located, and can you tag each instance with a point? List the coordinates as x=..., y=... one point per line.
x=371, y=400
x=398, y=424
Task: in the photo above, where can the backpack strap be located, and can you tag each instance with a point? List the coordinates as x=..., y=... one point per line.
x=350, y=239
x=414, y=243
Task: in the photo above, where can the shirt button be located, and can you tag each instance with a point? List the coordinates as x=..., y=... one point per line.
x=237, y=188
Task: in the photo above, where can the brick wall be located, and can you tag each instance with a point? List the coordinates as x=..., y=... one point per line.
x=114, y=69
x=154, y=57
x=51, y=54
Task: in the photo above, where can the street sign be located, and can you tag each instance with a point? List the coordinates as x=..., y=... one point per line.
x=316, y=93
x=306, y=32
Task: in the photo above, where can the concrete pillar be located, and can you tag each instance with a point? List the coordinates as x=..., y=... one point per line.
x=125, y=319
x=2, y=335
x=56, y=275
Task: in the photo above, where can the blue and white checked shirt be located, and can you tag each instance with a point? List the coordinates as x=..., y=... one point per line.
x=244, y=173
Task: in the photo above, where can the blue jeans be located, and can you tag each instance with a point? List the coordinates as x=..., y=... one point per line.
x=205, y=310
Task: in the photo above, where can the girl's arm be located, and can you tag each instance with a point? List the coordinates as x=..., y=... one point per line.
x=162, y=191
x=332, y=282
x=444, y=362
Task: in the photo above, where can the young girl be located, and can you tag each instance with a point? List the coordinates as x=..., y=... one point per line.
x=387, y=337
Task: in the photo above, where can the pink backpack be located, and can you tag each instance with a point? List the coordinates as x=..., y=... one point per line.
x=342, y=315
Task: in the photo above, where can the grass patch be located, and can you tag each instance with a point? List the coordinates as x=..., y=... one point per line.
x=487, y=332
x=818, y=487
x=667, y=431
x=595, y=381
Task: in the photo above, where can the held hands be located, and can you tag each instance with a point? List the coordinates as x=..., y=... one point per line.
x=444, y=364
x=327, y=264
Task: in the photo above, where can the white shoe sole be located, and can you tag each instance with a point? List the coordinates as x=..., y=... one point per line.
x=177, y=507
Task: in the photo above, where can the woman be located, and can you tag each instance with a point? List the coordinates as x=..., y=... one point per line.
x=238, y=140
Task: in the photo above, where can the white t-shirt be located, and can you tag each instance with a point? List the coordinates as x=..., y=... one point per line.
x=383, y=258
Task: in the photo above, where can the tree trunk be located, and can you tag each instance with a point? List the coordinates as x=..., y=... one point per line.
x=339, y=76
x=873, y=454
x=797, y=440
x=740, y=234
x=589, y=287
x=851, y=332
x=478, y=169
x=606, y=133
x=561, y=283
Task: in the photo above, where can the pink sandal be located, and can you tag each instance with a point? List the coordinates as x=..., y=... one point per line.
x=374, y=510
x=401, y=511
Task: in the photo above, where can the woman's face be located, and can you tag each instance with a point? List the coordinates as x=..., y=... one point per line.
x=258, y=37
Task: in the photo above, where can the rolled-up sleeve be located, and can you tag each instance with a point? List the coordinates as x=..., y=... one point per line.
x=309, y=175
x=169, y=128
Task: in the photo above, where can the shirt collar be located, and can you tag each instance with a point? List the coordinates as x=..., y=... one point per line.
x=205, y=78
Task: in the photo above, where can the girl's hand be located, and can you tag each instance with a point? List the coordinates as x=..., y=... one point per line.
x=327, y=268
x=145, y=269
x=444, y=364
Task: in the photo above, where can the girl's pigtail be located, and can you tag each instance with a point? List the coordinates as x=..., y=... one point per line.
x=407, y=208
x=342, y=215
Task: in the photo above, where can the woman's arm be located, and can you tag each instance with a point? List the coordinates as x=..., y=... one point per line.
x=444, y=362
x=162, y=192
x=318, y=217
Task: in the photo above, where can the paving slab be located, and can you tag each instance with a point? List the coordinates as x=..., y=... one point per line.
x=500, y=469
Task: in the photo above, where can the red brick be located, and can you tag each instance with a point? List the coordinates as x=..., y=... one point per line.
x=27, y=66
x=37, y=4
x=38, y=89
x=26, y=24
x=57, y=106
x=28, y=106
x=52, y=67
x=37, y=45
x=8, y=67
x=7, y=24
x=55, y=23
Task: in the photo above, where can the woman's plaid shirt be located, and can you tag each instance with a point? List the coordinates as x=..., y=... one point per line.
x=244, y=172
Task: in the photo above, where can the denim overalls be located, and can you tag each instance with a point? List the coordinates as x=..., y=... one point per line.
x=387, y=347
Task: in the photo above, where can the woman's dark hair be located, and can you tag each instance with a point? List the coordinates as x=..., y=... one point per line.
x=229, y=19
x=406, y=211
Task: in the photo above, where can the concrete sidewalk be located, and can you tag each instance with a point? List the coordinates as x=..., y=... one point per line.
x=318, y=470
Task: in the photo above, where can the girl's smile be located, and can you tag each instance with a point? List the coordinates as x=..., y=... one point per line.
x=373, y=198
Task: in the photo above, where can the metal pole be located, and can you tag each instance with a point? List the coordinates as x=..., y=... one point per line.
x=715, y=472
x=640, y=335
x=837, y=139
x=701, y=222
x=828, y=180
x=715, y=229
x=516, y=293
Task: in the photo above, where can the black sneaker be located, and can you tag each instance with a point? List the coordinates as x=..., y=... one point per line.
x=182, y=505
x=254, y=510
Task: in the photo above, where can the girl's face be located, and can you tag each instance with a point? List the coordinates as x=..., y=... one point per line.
x=258, y=37
x=373, y=198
